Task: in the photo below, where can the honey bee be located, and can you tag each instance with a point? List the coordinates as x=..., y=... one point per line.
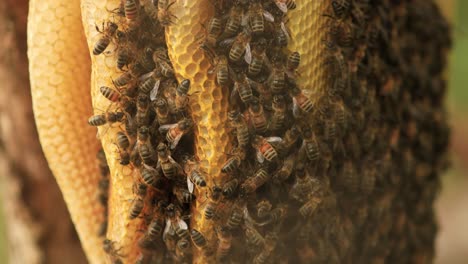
x=166, y=69
x=168, y=165
x=174, y=223
x=285, y=170
x=330, y=131
x=160, y=54
x=235, y=219
x=141, y=190
x=123, y=79
x=123, y=58
x=142, y=116
x=183, y=250
x=155, y=228
x=258, y=57
x=257, y=116
x=164, y=15
x=109, y=247
x=263, y=208
x=240, y=46
x=233, y=163
x=102, y=119
x=183, y=195
x=277, y=80
x=268, y=247
x=342, y=117
x=147, y=85
x=282, y=35
x=213, y=31
x=310, y=206
x=303, y=186
x=149, y=176
x=107, y=33
x=341, y=8
x=310, y=144
x=253, y=183
x=242, y=87
x=237, y=121
x=122, y=140
x=131, y=10
x=294, y=59
x=176, y=131
x=290, y=139
x=230, y=187
x=182, y=99
x=146, y=153
x=162, y=111
x=253, y=237
x=199, y=240
x=233, y=23
x=110, y=94
x=222, y=70
x=194, y=176
x=285, y=5
x=224, y=245
x=124, y=159
x=256, y=21
x=213, y=201
x=136, y=208
x=301, y=102
x=278, y=118
x=265, y=151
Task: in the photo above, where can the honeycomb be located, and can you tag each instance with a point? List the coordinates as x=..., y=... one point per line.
x=59, y=67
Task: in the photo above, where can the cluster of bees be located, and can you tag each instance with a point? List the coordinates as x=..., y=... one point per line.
x=306, y=181
x=152, y=109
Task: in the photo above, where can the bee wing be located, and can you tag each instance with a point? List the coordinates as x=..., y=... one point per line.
x=282, y=6
x=190, y=185
x=260, y=157
x=274, y=139
x=285, y=30
x=234, y=92
x=296, y=110
x=268, y=16
x=248, y=54
x=176, y=141
x=167, y=228
x=227, y=42
x=182, y=224
x=164, y=128
x=145, y=76
x=154, y=91
x=150, y=168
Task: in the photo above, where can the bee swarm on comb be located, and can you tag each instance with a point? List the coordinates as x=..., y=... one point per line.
x=342, y=172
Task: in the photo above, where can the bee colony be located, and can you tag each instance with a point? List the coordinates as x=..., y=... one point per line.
x=343, y=172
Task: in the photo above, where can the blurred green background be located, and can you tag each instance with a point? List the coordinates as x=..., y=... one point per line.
x=451, y=206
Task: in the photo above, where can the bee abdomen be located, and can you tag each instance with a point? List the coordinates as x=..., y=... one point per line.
x=147, y=85
x=101, y=45
x=136, y=209
x=131, y=10
x=109, y=93
x=97, y=120
x=197, y=238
